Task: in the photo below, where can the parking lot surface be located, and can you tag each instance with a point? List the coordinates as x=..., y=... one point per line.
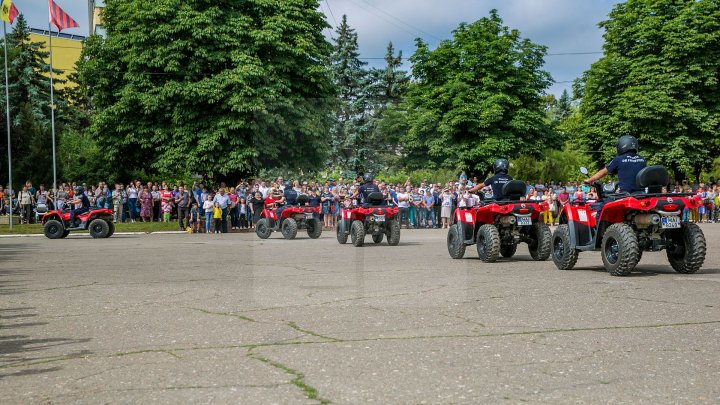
x=231, y=318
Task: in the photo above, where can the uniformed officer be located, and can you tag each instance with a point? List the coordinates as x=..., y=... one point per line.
x=627, y=164
x=496, y=182
x=367, y=188
x=82, y=199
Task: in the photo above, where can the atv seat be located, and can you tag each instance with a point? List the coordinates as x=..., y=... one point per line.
x=653, y=179
x=514, y=190
x=302, y=199
x=375, y=199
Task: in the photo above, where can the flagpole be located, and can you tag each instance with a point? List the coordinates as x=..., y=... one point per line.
x=52, y=107
x=7, y=111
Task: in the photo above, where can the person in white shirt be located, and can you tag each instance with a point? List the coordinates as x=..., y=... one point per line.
x=446, y=211
x=403, y=206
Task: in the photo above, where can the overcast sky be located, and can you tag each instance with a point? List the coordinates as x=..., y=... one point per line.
x=565, y=26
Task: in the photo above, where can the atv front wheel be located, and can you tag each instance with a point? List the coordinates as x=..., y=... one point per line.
x=455, y=244
x=508, y=251
x=112, y=228
x=488, y=243
x=54, y=229
x=393, y=232
x=620, y=249
x=262, y=228
x=99, y=228
x=690, y=255
x=563, y=254
x=289, y=228
x=341, y=234
x=541, y=241
x=314, y=228
x=357, y=233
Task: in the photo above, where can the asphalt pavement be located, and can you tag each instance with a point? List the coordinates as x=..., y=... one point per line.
x=233, y=319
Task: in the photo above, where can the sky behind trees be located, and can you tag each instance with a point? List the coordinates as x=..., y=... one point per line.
x=565, y=26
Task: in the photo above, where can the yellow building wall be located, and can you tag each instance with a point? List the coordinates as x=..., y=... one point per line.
x=65, y=53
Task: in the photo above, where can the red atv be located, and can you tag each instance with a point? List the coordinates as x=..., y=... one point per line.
x=99, y=221
x=498, y=226
x=291, y=219
x=375, y=218
x=630, y=224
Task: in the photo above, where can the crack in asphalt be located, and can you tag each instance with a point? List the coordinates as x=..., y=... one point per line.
x=232, y=314
x=251, y=346
x=310, y=332
x=299, y=380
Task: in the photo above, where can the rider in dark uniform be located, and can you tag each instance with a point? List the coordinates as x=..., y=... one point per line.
x=627, y=164
x=496, y=182
x=80, y=198
x=366, y=188
x=289, y=195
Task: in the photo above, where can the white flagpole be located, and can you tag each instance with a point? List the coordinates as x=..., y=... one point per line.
x=7, y=111
x=52, y=105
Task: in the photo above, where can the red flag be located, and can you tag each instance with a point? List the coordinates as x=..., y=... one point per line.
x=13, y=12
x=60, y=18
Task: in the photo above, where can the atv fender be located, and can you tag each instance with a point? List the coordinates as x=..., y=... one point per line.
x=466, y=219
x=581, y=223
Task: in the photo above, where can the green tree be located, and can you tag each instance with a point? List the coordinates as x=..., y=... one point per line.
x=29, y=108
x=477, y=97
x=351, y=127
x=216, y=88
x=658, y=81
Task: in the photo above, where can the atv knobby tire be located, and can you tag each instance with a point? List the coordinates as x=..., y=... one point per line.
x=314, y=228
x=54, y=229
x=455, y=243
x=289, y=228
x=112, y=229
x=541, y=241
x=357, y=233
x=393, y=232
x=620, y=250
x=262, y=228
x=488, y=243
x=341, y=232
x=508, y=251
x=99, y=228
x=563, y=254
x=692, y=239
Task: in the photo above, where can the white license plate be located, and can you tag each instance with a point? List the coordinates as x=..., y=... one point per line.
x=379, y=218
x=670, y=222
x=308, y=216
x=524, y=221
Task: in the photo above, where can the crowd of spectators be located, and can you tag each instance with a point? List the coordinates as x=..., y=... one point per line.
x=217, y=209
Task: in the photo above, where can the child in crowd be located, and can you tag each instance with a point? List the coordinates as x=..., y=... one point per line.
x=243, y=213
x=208, y=207
x=167, y=210
x=195, y=218
x=217, y=216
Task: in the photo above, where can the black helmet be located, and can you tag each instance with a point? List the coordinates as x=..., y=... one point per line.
x=501, y=166
x=368, y=177
x=288, y=185
x=626, y=143
x=79, y=190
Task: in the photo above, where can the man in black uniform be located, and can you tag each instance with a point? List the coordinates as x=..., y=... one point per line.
x=289, y=197
x=80, y=198
x=496, y=182
x=627, y=164
x=367, y=188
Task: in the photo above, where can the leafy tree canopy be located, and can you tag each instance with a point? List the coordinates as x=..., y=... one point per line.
x=217, y=88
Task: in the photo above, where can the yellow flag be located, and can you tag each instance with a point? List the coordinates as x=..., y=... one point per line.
x=8, y=12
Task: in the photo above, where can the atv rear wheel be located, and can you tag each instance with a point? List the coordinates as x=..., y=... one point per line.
x=341, y=233
x=563, y=254
x=357, y=233
x=508, y=251
x=65, y=234
x=393, y=232
x=541, y=241
x=455, y=244
x=289, y=228
x=54, y=229
x=314, y=228
x=620, y=249
x=488, y=243
x=99, y=228
x=378, y=238
x=691, y=256
x=262, y=228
